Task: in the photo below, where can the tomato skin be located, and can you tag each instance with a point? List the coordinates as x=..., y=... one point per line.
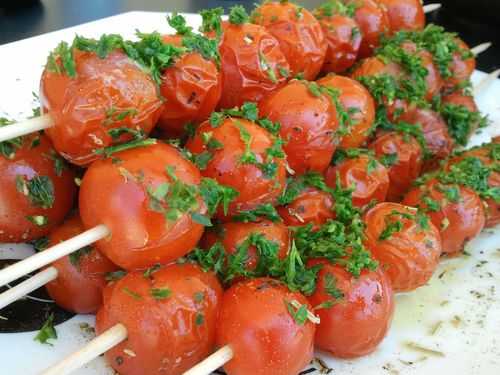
x=115, y=194
x=78, y=287
x=312, y=206
x=343, y=42
x=461, y=69
x=225, y=165
x=308, y=125
x=355, y=325
x=29, y=162
x=80, y=106
x=407, y=166
x=368, y=185
x=264, y=337
x=373, y=22
x=404, y=14
x=244, y=76
x=458, y=222
x=163, y=333
x=300, y=36
x=458, y=98
x=353, y=95
x=409, y=257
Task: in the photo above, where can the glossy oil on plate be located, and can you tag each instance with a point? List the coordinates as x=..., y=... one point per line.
x=452, y=325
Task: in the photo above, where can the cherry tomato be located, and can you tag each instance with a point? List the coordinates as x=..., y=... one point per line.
x=308, y=125
x=312, y=206
x=81, y=276
x=461, y=68
x=409, y=255
x=256, y=322
x=106, y=94
x=226, y=165
x=233, y=234
x=360, y=313
x=403, y=158
x=404, y=14
x=127, y=193
x=358, y=102
x=373, y=22
x=37, y=188
x=170, y=318
x=459, y=219
x=300, y=35
x=191, y=87
x=368, y=177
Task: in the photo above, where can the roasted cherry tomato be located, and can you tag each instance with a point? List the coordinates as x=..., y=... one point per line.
x=231, y=235
x=355, y=312
x=256, y=321
x=456, y=211
x=107, y=94
x=461, y=67
x=308, y=125
x=170, y=317
x=300, y=35
x=192, y=87
x=404, y=14
x=367, y=176
x=37, y=188
x=81, y=276
x=360, y=105
x=144, y=197
x=403, y=157
x=312, y=206
x=459, y=99
x=373, y=22
x=408, y=246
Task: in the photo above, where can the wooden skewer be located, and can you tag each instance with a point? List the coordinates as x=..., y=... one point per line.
x=212, y=362
x=28, y=286
x=53, y=253
x=431, y=7
x=481, y=48
x=92, y=350
x=25, y=127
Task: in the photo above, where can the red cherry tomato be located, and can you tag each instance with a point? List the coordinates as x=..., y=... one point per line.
x=461, y=68
x=170, y=318
x=191, y=87
x=37, y=189
x=404, y=14
x=373, y=22
x=124, y=193
x=368, y=177
x=358, y=102
x=308, y=125
x=312, y=206
x=403, y=157
x=410, y=254
x=81, y=276
x=458, y=221
x=225, y=165
x=457, y=98
x=256, y=322
x=357, y=321
x=106, y=94
x=300, y=35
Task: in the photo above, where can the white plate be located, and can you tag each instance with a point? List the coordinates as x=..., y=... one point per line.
x=465, y=299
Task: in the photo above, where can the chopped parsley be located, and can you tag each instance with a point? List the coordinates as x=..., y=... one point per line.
x=211, y=20
x=160, y=293
x=76, y=256
x=330, y=286
x=132, y=294
x=8, y=148
x=266, y=211
x=39, y=190
x=238, y=15
x=461, y=122
x=47, y=332
x=299, y=315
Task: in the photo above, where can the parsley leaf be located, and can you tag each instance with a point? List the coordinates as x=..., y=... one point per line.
x=47, y=332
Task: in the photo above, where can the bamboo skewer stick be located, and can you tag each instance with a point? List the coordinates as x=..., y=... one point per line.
x=24, y=127
x=480, y=48
x=429, y=8
x=212, y=362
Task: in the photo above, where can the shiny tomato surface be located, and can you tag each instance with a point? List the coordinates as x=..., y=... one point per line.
x=81, y=276
x=37, y=189
x=367, y=176
x=252, y=64
x=403, y=157
x=308, y=125
x=373, y=21
x=106, y=94
x=358, y=102
x=255, y=320
x=404, y=14
x=409, y=255
x=123, y=193
x=170, y=318
x=361, y=310
x=300, y=35
x=461, y=68
x=457, y=98
x=312, y=206
x=457, y=220
x=249, y=179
